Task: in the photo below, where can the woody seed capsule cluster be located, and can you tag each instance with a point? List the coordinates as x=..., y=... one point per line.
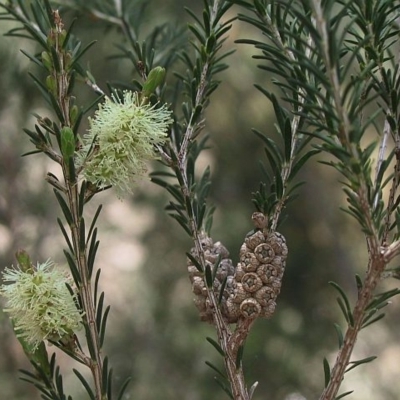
x=258, y=276
x=212, y=253
x=252, y=287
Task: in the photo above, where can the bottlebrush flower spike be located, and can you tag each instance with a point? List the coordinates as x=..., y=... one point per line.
x=121, y=139
x=39, y=303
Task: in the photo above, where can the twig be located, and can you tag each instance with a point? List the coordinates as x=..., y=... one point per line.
x=287, y=168
x=391, y=251
x=376, y=266
x=85, y=289
x=235, y=373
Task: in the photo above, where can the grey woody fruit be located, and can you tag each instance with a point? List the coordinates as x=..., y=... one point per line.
x=251, y=289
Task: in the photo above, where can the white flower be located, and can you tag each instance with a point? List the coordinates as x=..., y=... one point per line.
x=121, y=139
x=39, y=303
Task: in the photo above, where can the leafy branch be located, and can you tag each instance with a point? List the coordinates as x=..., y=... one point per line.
x=59, y=140
x=293, y=49
x=315, y=48
x=190, y=207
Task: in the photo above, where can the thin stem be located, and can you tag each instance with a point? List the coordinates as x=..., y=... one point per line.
x=345, y=126
x=376, y=266
x=229, y=347
x=191, y=127
x=391, y=251
x=376, y=263
x=296, y=136
x=95, y=363
x=332, y=72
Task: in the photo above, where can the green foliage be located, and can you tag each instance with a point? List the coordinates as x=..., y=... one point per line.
x=289, y=57
x=335, y=93
x=333, y=63
x=48, y=380
x=190, y=207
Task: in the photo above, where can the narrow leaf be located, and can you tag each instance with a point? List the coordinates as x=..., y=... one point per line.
x=82, y=233
x=93, y=224
x=81, y=201
x=344, y=395
x=339, y=335
x=215, y=267
x=216, y=346
x=102, y=333
x=195, y=262
x=65, y=234
x=348, y=311
x=94, y=245
x=96, y=285
x=252, y=389
x=85, y=384
x=360, y=362
x=359, y=282
x=217, y=370
x=105, y=375
x=99, y=311
x=221, y=291
x=73, y=267
x=224, y=387
x=373, y=320
x=123, y=388
x=209, y=278
x=327, y=372
x=64, y=207
x=343, y=309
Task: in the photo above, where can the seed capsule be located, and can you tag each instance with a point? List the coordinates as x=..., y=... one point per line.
x=239, y=293
x=239, y=272
x=277, y=241
x=250, y=308
x=265, y=295
x=232, y=310
x=260, y=220
x=264, y=253
x=254, y=240
x=251, y=282
x=249, y=259
x=269, y=273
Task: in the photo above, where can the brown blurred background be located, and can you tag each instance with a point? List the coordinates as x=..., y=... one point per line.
x=153, y=332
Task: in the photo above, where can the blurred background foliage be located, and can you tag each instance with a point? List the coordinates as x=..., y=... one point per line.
x=154, y=333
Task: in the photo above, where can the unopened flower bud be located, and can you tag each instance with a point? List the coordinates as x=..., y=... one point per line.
x=154, y=79
x=67, y=143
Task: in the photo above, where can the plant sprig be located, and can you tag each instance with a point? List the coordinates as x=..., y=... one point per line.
x=59, y=140
x=331, y=70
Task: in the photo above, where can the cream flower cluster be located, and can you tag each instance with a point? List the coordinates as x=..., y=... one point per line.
x=121, y=139
x=40, y=304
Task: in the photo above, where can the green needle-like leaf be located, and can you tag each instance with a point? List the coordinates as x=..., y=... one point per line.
x=215, y=345
x=327, y=372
